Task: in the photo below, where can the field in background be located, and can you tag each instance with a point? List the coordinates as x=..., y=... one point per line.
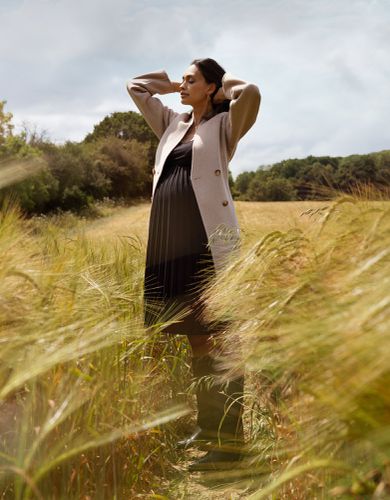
x=91, y=404
x=255, y=219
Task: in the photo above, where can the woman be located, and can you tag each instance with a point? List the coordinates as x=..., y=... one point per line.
x=193, y=227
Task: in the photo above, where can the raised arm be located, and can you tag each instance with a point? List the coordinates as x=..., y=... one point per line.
x=142, y=88
x=245, y=100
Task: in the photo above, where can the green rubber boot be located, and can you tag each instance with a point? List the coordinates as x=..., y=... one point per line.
x=221, y=418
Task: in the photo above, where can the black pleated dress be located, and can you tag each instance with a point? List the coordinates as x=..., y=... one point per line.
x=178, y=261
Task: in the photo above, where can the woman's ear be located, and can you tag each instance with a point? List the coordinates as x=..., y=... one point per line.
x=212, y=88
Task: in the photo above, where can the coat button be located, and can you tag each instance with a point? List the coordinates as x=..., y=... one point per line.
x=224, y=203
x=217, y=172
x=153, y=171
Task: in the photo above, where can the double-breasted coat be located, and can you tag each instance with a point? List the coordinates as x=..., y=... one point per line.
x=214, y=145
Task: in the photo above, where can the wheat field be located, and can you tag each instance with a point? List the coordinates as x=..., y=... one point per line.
x=91, y=404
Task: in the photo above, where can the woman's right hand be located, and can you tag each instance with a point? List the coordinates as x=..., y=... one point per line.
x=176, y=86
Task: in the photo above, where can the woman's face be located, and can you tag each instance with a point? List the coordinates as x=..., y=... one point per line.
x=194, y=88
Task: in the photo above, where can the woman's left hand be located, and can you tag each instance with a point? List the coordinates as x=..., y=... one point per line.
x=219, y=96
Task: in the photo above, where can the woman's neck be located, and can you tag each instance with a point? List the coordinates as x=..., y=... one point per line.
x=201, y=112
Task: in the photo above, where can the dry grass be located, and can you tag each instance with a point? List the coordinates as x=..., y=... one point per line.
x=255, y=219
x=309, y=306
x=90, y=401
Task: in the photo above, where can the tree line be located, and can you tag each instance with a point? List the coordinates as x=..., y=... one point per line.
x=116, y=159
x=316, y=177
x=111, y=162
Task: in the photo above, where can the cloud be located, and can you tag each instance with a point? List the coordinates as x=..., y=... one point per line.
x=322, y=67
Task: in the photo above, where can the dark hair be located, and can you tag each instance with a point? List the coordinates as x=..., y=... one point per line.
x=213, y=73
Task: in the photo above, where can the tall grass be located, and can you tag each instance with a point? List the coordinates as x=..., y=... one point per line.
x=310, y=321
x=83, y=390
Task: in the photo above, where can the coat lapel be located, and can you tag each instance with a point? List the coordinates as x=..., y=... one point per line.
x=173, y=139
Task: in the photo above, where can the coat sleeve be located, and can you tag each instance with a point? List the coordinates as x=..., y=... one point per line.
x=142, y=88
x=244, y=106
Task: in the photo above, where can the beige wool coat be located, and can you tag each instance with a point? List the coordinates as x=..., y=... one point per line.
x=214, y=145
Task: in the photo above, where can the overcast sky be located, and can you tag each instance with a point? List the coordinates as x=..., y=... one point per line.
x=322, y=66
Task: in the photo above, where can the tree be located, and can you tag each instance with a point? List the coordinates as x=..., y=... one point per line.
x=6, y=126
x=271, y=189
x=242, y=183
x=232, y=185
x=126, y=126
x=356, y=169
x=27, y=174
x=382, y=163
x=79, y=178
x=122, y=125
x=126, y=164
